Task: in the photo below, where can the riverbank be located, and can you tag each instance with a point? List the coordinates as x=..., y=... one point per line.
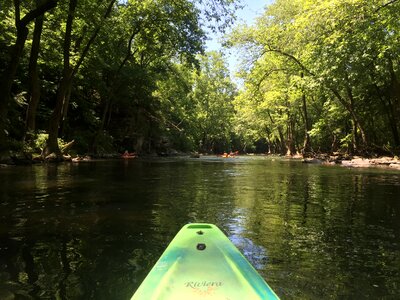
x=355, y=161
x=324, y=159
x=26, y=158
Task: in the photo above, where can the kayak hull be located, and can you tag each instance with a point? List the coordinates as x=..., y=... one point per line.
x=202, y=263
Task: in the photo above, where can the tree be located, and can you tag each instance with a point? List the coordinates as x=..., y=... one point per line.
x=103, y=60
x=68, y=74
x=326, y=48
x=212, y=97
x=33, y=78
x=7, y=78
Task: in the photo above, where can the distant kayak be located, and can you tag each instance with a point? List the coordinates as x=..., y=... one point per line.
x=202, y=263
x=126, y=154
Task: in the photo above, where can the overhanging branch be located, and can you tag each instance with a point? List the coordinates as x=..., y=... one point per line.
x=385, y=5
x=292, y=57
x=40, y=10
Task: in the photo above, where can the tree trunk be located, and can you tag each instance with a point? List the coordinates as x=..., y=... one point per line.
x=307, y=141
x=281, y=142
x=33, y=78
x=55, y=119
x=334, y=144
x=68, y=75
x=65, y=108
x=290, y=141
x=394, y=105
x=95, y=140
x=356, y=125
x=392, y=116
x=110, y=96
x=385, y=99
x=7, y=78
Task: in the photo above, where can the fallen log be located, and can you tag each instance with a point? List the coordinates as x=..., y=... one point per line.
x=67, y=146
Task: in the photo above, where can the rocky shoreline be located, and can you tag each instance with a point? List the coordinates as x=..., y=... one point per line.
x=21, y=158
x=325, y=159
x=355, y=161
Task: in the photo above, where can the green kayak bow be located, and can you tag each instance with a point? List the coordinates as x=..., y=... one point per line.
x=202, y=263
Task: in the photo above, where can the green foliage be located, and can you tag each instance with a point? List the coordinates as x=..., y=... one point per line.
x=212, y=96
x=324, y=74
x=338, y=56
x=38, y=143
x=119, y=65
x=196, y=105
x=328, y=128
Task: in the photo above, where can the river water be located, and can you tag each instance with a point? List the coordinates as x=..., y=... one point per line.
x=93, y=230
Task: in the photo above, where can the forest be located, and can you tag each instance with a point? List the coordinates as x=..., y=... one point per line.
x=99, y=77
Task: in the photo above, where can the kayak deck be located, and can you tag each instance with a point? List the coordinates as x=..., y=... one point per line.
x=202, y=263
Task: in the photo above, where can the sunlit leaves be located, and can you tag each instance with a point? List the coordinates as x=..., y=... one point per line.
x=212, y=97
x=343, y=51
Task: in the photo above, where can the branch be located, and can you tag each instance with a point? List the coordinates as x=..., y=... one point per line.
x=167, y=121
x=68, y=33
x=385, y=5
x=40, y=10
x=298, y=62
x=92, y=38
x=267, y=74
x=129, y=53
x=17, y=12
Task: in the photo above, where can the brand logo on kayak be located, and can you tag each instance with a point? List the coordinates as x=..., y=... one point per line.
x=203, y=287
x=198, y=284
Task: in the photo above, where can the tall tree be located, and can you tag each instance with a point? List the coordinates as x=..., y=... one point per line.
x=331, y=46
x=68, y=73
x=7, y=78
x=213, y=95
x=33, y=79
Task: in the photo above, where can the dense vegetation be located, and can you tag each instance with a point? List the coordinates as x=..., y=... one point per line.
x=115, y=75
x=322, y=76
x=110, y=75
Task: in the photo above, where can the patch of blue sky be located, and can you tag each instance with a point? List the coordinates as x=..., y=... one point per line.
x=247, y=15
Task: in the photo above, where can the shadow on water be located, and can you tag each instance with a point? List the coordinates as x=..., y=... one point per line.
x=93, y=230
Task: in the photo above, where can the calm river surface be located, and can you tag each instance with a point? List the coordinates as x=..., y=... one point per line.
x=93, y=230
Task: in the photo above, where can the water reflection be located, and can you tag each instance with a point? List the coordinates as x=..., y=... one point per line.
x=93, y=230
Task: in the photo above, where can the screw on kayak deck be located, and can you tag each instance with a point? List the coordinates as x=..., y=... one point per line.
x=201, y=246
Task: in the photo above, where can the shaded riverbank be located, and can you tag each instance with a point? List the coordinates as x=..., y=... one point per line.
x=323, y=159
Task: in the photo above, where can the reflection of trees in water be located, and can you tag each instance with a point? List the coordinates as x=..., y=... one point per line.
x=94, y=266
x=193, y=192
x=65, y=245
x=317, y=226
x=96, y=234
